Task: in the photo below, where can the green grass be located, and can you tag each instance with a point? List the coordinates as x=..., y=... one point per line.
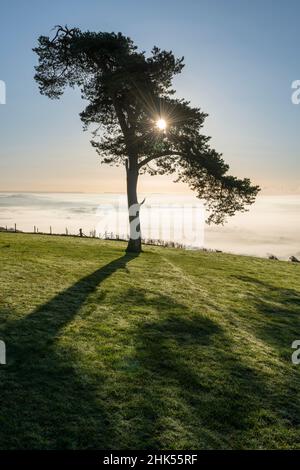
x=171, y=349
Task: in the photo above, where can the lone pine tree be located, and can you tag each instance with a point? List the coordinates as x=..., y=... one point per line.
x=140, y=122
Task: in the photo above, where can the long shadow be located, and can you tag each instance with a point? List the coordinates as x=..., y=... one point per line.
x=189, y=386
x=172, y=379
x=49, y=318
x=278, y=321
x=45, y=403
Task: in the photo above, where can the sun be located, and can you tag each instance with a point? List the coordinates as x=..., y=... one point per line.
x=161, y=124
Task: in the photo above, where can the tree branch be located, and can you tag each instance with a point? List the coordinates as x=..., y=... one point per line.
x=149, y=159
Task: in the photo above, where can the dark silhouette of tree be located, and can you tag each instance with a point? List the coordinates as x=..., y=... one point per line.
x=140, y=124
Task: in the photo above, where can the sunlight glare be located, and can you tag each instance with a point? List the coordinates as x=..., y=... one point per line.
x=161, y=124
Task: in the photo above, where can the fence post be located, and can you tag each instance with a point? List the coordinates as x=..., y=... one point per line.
x=15, y=228
x=50, y=230
x=80, y=232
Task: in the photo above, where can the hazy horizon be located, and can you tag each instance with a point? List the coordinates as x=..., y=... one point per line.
x=271, y=226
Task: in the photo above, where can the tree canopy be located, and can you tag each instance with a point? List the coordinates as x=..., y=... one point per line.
x=127, y=92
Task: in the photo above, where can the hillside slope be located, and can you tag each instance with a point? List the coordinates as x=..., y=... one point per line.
x=171, y=349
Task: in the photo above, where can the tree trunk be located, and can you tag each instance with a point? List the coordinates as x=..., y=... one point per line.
x=135, y=240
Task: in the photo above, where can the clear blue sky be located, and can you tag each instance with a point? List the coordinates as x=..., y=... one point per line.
x=241, y=58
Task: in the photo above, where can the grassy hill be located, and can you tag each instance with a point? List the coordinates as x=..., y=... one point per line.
x=171, y=349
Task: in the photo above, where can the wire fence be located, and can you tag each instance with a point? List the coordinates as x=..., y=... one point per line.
x=93, y=234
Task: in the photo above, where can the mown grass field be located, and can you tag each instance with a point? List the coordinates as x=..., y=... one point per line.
x=168, y=350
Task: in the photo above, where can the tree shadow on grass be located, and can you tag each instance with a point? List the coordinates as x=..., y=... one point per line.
x=189, y=388
x=45, y=403
x=175, y=382
x=278, y=322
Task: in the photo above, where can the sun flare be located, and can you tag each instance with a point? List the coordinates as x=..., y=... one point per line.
x=161, y=124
